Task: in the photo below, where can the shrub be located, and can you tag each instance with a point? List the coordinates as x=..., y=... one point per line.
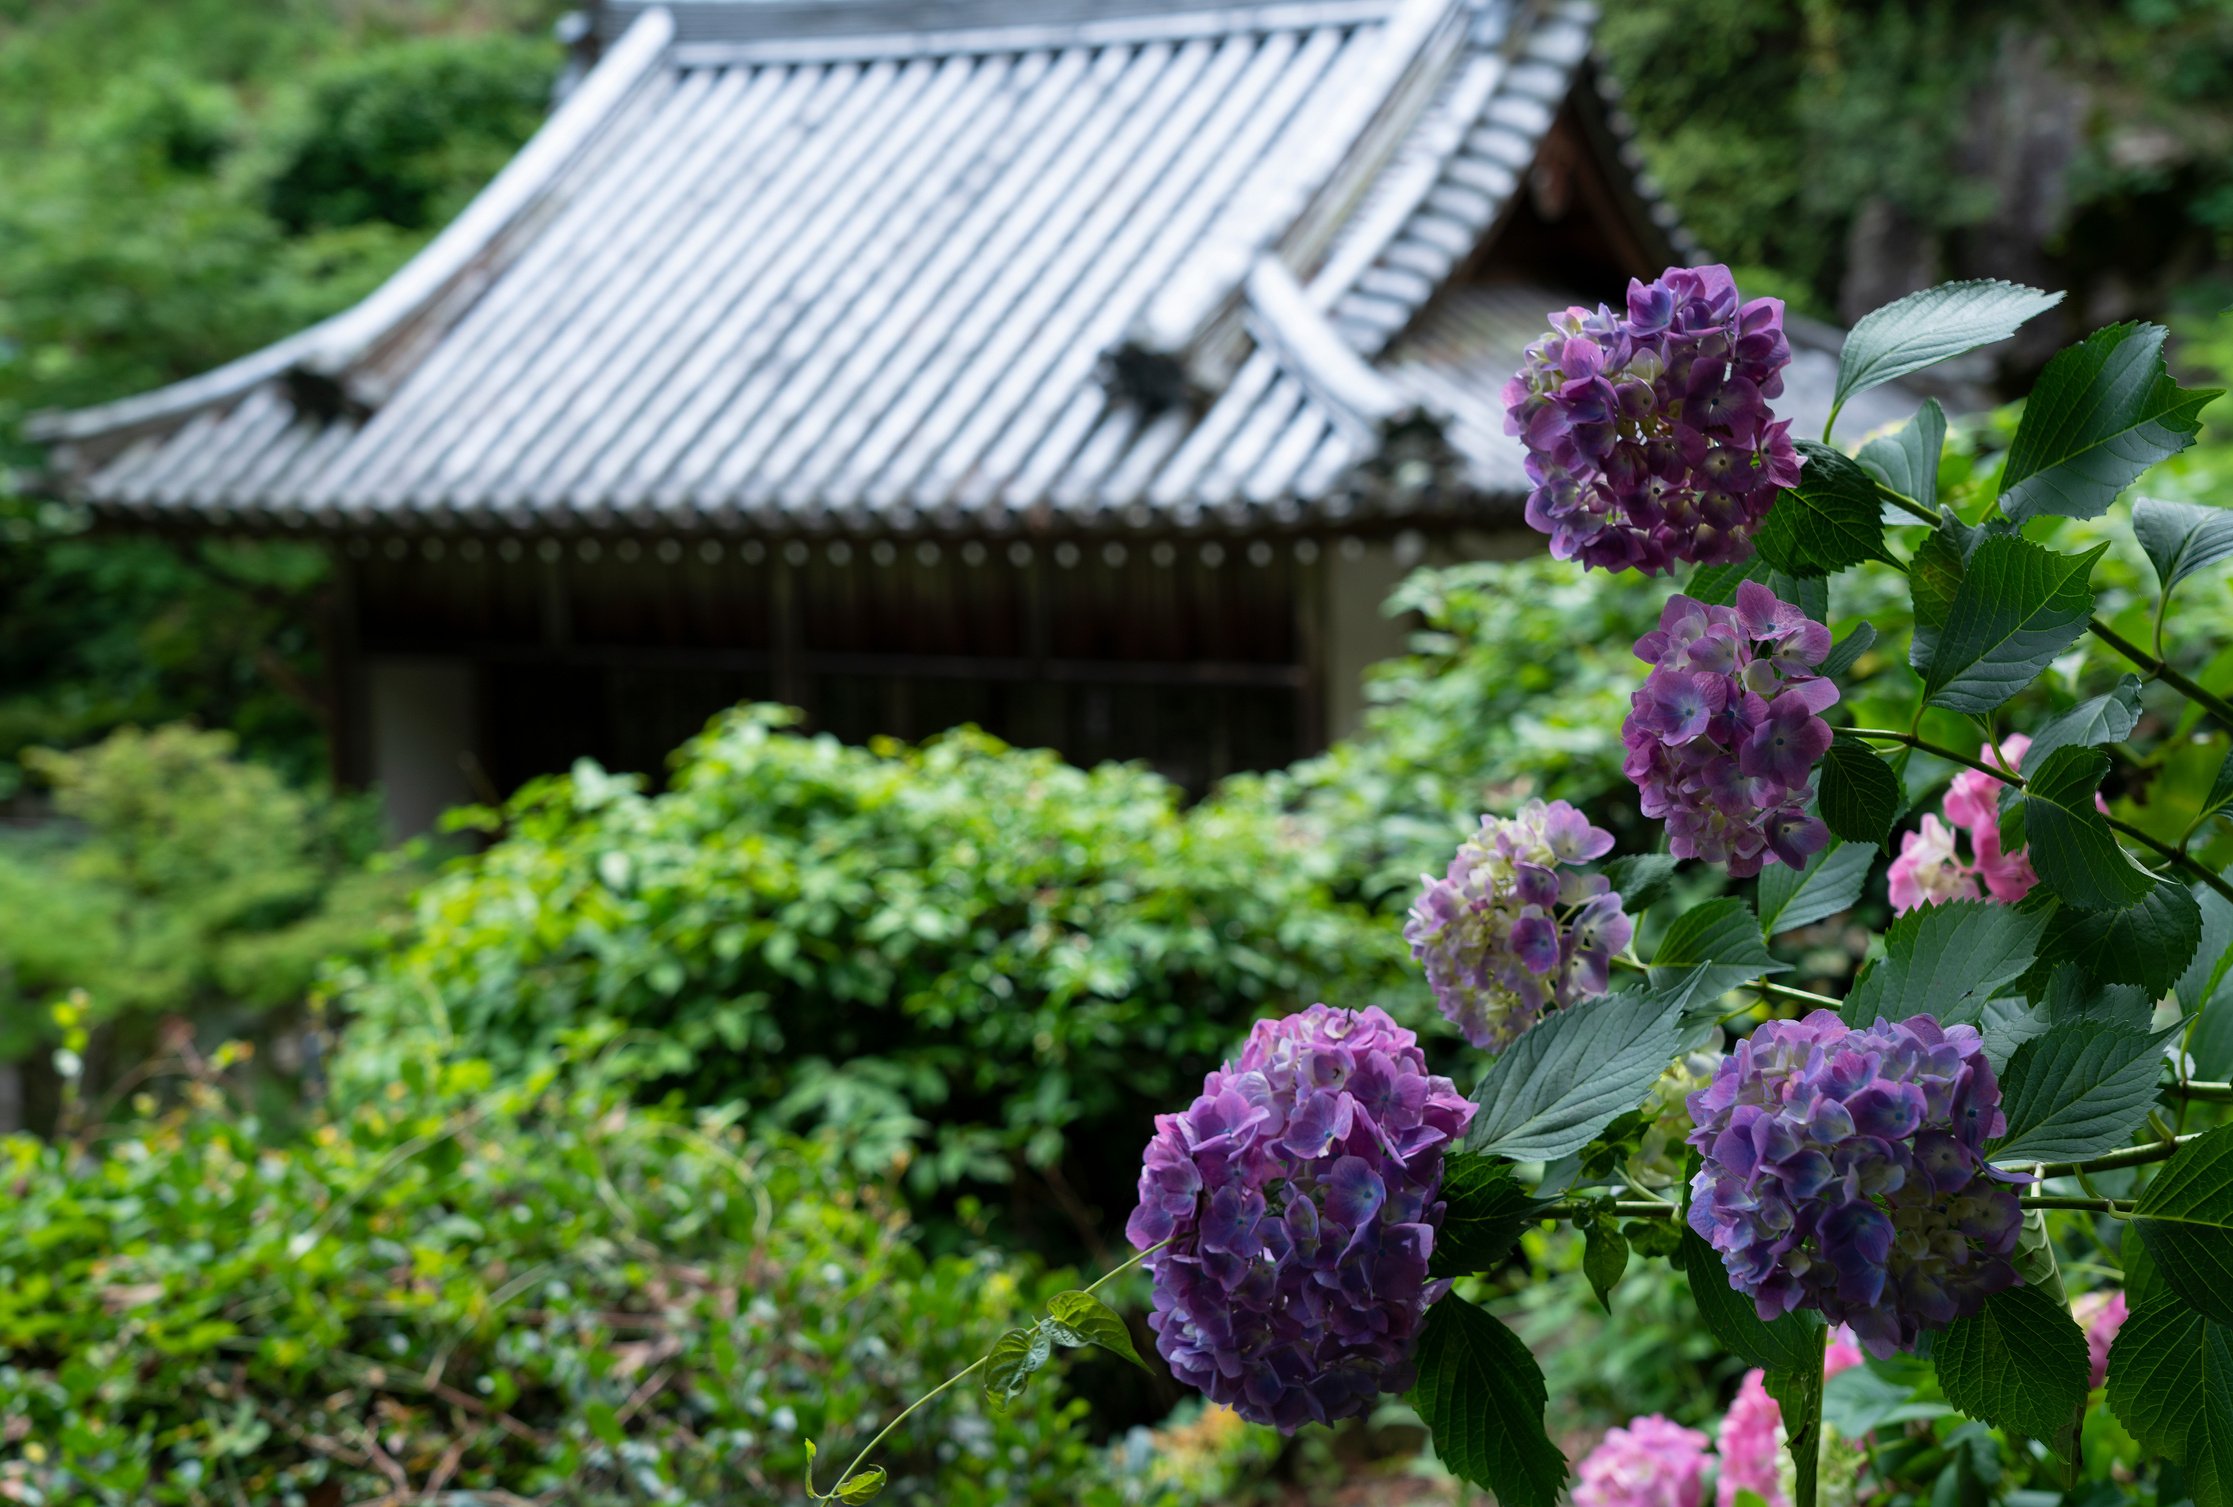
x=879, y=939
x=526, y=1290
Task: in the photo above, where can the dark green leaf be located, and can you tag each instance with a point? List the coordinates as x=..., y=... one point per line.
x=1860, y=794
x=2079, y=1090
x=2142, y=1282
x=1849, y=649
x=1832, y=519
x=1604, y=1258
x=1832, y=880
x=2072, y=994
x=1862, y=1399
x=1717, y=584
x=1481, y=1397
x=2186, y=1217
x=1944, y=959
x=1015, y=1356
x=1793, y=1343
x=1572, y=1074
x=1934, y=325
x=1907, y=462
x=2213, y=954
x=2101, y=413
x=604, y=1423
x=2006, y=1024
x=2017, y=607
x=1934, y=574
x=1709, y=949
x=1487, y=1210
x=2077, y=857
x=2100, y=719
x=2147, y=945
x=1642, y=880
x=2181, y=537
x=2221, y=788
x=2171, y=1385
x=1080, y=1318
x=2035, y=1258
x=2020, y=1364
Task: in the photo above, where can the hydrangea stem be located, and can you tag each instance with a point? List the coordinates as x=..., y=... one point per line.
x=1803, y=1426
x=2167, y=851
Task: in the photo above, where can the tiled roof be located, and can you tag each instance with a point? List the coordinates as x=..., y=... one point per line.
x=866, y=266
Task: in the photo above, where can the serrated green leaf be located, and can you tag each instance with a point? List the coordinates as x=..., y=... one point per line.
x=2077, y=1091
x=2186, y=1217
x=2181, y=537
x=1832, y=519
x=1008, y=1369
x=1481, y=1397
x=1642, y=879
x=2102, y=412
x=2171, y=1385
x=1849, y=649
x=1571, y=1074
x=1907, y=461
x=865, y=1487
x=1080, y=1318
x=2108, y=718
x=2018, y=1364
x=2213, y=953
x=1860, y=795
x=1604, y=1258
x=1831, y=882
x=1486, y=1209
x=2073, y=851
x=1709, y=949
x=1943, y=960
x=2146, y=945
x=2034, y=1259
x=1791, y=1344
x=1934, y=325
x=2017, y=607
x=1934, y=575
x=1717, y=585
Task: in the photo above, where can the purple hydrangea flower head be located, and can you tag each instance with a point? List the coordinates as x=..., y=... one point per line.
x=1648, y=433
x=1651, y=1463
x=1845, y=1172
x=1724, y=734
x=1299, y=1196
x=1513, y=928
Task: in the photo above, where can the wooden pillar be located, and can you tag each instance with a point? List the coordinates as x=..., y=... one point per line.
x=1310, y=651
x=783, y=630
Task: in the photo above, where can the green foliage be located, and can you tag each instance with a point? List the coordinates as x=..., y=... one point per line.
x=1945, y=960
x=2078, y=858
x=1791, y=1343
x=202, y=885
x=1481, y=1396
x=1573, y=1073
x=2171, y=1383
x=1859, y=792
x=2020, y=1364
x=1830, y=520
x=530, y=1290
x=1830, y=884
x=2017, y=607
x=2102, y=413
x=2080, y=1089
x=2185, y=1218
x=1925, y=328
x=1709, y=949
x=939, y=950
x=1486, y=1208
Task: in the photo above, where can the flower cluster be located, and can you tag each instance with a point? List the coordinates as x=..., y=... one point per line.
x=1650, y=1463
x=1930, y=868
x=1648, y=433
x=1513, y=928
x=1660, y=1153
x=1725, y=732
x=2101, y=1315
x=1298, y=1195
x=1844, y=1171
x=1751, y=1443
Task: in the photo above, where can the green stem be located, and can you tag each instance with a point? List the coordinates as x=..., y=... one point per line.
x=1771, y=990
x=1806, y=1434
x=2111, y=1161
x=2201, y=1093
x=1831, y=423
x=2082, y=1205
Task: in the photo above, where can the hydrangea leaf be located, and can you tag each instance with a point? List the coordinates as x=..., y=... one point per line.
x=2146, y=945
x=1907, y=461
x=2213, y=953
x=1716, y=586
x=2006, y=1024
x=1708, y=949
x=2102, y=412
x=2181, y=537
x=2077, y=1091
x=1831, y=882
x=2017, y=607
x=865, y=1487
x=1945, y=959
x=1642, y=879
x=1015, y=1356
x=1934, y=325
x=2108, y=718
x=1832, y=519
x=1080, y=1318
x=1862, y=1399
x=1481, y=1397
x=1934, y=574
x=2035, y=1258
x=2077, y=857
x=1604, y=1258
x=2186, y=1217
x=1573, y=1073
x=2221, y=788
x=1849, y=649
x=2171, y=1384
x=1486, y=1209
x=2018, y=1364
x=1860, y=793
x=1790, y=1344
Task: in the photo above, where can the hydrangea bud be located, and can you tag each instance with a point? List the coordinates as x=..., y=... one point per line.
x=1299, y=1196
x=1751, y=1440
x=1724, y=734
x=1844, y=1171
x=1513, y=927
x=1648, y=433
x=1651, y=1463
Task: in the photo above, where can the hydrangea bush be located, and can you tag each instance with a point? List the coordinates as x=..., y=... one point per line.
x=2020, y=1071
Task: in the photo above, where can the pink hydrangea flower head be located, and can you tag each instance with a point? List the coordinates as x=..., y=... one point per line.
x=1514, y=928
x=1844, y=1171
x=1648, y=433
x=1299, y=1196
x=1724, y=734
x=2101, y=1314
x=1651, y=1463
x=1842, y=1354
x=1751, y=1446
x=1929, y=870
